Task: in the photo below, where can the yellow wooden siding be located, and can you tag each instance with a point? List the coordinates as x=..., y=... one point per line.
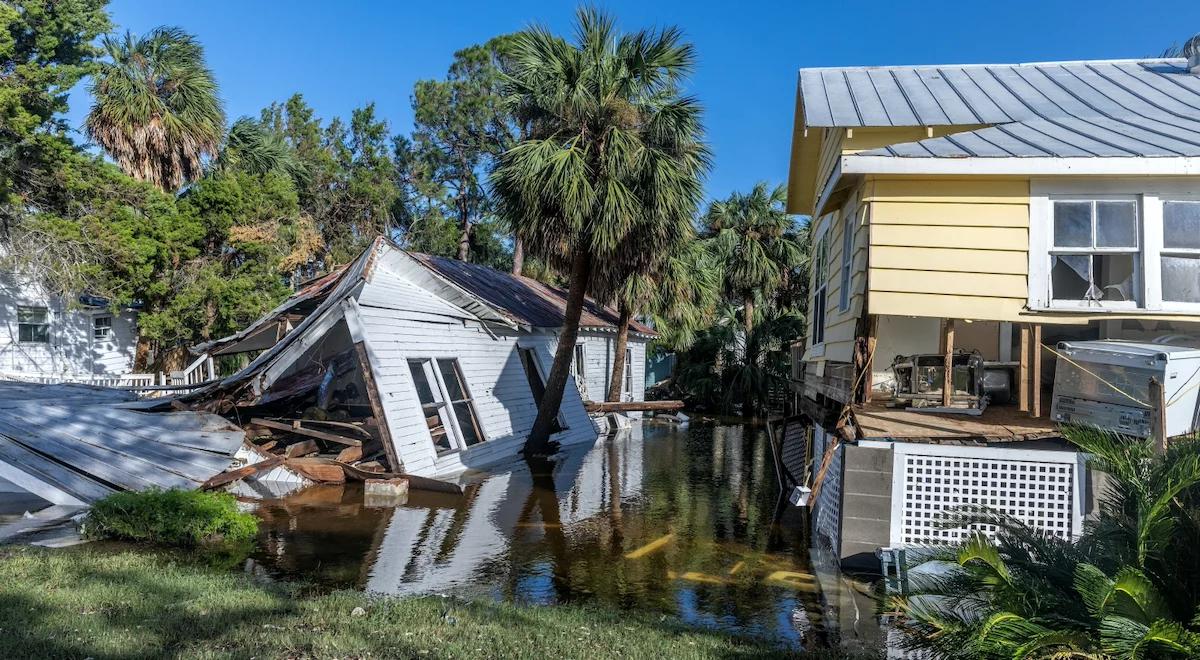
x=831, y=151
x=949, y=248
x=840, y=325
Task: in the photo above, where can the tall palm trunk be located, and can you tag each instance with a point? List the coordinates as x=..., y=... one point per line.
x=539, y=437
x=617, y=380
x=518, y=255
x=748, y=358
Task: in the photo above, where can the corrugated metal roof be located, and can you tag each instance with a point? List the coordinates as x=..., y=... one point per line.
x=524, y=300
x=1109, y=108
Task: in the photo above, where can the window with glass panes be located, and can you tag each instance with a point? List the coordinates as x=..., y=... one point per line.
x=33, y=325
x=1179, y=260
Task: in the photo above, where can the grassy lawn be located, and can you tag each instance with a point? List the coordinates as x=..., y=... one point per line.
x=98, y=603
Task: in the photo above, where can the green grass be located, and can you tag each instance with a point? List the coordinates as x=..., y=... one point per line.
x=184, y=518
x=95, y=602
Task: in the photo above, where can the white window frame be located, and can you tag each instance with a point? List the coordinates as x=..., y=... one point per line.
x=627, y=380
x=847, y=270
x=1138, y=251
x=1163, y=250
x=1150, y=196
x=105, y=332
x=820, y=283
x=445, y=405
x=45, y=311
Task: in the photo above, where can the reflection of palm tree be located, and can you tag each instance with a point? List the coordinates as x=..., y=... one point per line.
x=543, y=498
x=614, y=495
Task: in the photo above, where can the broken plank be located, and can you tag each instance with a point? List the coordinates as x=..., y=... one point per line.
x=302, y=448
x=241, y=473
x=421, y=483
x=312, y=433
x=350, y=454
x=631, y=406
x=321, y=470
x=350, y=426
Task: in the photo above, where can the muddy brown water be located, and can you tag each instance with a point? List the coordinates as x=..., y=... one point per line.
x=680, y=521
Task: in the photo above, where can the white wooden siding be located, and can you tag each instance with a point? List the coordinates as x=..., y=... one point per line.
x=490, y=364
x=72, y=349
x=598, y=353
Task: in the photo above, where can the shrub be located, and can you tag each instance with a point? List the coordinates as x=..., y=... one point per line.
x=183, y=518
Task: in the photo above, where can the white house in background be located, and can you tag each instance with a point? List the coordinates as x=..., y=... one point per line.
x=42, y=335
x=444, y=361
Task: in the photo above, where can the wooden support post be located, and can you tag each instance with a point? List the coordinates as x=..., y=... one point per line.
x=1035, y=389
x=1023, y=371
x=1158, y=416
x=948, y=358
x=373, y=398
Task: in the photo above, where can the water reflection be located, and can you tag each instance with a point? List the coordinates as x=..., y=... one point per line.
x=681, y=521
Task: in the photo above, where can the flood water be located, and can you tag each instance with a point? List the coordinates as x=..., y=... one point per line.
x=680, y=521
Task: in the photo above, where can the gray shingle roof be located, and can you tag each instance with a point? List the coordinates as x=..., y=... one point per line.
x=1119, y=108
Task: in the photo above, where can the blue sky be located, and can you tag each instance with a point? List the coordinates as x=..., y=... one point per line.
x=343, y=54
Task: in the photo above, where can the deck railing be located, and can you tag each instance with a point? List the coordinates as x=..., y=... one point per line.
x=147, y=385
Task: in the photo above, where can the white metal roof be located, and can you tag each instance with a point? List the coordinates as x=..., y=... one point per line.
x=1103, y=108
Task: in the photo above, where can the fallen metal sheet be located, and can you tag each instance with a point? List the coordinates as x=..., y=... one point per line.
x=76, y=450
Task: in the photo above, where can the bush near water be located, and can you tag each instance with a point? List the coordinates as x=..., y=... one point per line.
x=180, y=518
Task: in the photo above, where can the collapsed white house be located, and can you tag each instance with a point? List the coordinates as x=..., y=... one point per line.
x=436, y=363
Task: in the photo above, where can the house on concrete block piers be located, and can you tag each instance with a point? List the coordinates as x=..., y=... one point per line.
x=968, y=219
x=443, y=362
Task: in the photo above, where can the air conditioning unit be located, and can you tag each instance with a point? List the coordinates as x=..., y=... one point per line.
x=1106, y=384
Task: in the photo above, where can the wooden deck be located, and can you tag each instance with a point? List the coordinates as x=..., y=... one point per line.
x=998, y=423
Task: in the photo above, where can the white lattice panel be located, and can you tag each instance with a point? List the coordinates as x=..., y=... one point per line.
x=1040, y=488
x=827, y=510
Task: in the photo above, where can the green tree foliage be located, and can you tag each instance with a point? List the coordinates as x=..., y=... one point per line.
x=461, y=127
x=46, y=47
x=1128, y=588
x=156, y=111
x=610, y=156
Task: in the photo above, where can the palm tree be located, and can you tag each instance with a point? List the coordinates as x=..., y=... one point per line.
x=1128, y=588
x=678, y=296
x=614, y=152
x=254, y=148
x=757, y=242
x=156, y=111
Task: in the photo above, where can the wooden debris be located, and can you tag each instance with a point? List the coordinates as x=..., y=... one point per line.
x=321, y=470
x=370, y=466
x=350, y=455
x=631, y=406
x=302, y=448
x=311, y=433
x=242, y=472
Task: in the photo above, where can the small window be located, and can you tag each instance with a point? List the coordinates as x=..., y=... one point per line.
x=820, y=259
x=102, y=327
x=33, y=325
x=1180, y=260
x=629, y=374
x=578, y=364
x=847, y=261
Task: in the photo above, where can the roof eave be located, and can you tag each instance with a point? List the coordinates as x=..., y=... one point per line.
x=1029, y=166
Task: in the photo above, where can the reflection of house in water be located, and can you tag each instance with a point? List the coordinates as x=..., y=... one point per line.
x=420, y=550
x=441, y=361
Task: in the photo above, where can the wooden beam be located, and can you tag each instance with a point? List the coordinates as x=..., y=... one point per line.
x=869, y=367
x=1023, y=371
x=311, y=433
x=385, y=433
x=948, y=361
x=1158, y=416
x=630, y=406
x=241, y=473
x=1035, y=389
x=302, y=448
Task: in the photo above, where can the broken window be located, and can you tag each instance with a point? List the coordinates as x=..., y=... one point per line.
x=629, y=374
x=537, y=384
x=33, y=325
x=1095, y=253
x=1180, y=260
x=446, y=404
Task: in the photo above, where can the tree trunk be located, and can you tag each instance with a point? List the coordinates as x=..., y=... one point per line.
x=518, y=255
x=748, y=359
x=141, y=354
x=617, y=381
x=464, y=238
x=539, y=437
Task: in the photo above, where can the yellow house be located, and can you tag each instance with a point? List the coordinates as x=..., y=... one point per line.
x=990, y=208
